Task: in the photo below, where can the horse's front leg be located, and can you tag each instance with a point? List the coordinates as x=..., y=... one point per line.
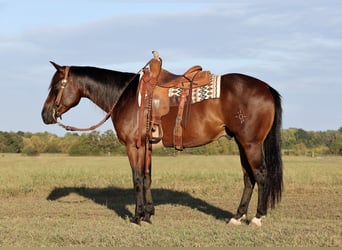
x=149, y=207
x=141, y=173
x=138, y=180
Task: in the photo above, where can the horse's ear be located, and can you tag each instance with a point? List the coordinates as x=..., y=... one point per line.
x=58, y=67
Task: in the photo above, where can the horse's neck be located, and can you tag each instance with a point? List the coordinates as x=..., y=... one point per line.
x=106, y=95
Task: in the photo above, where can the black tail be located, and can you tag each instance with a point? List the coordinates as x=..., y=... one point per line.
x=272, y=153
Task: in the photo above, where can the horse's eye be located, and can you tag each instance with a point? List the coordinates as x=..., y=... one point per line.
x=56, y=88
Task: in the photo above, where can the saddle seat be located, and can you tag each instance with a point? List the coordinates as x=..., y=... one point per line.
x=193, y=77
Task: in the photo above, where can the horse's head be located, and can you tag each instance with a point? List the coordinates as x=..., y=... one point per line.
x=64, y=94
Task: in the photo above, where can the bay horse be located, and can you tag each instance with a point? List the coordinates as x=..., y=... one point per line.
x=248, y=109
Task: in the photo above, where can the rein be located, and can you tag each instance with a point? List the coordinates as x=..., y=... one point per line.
x=71, y=128
x=59, y=97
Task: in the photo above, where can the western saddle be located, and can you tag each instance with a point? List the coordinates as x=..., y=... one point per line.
x=154, y=100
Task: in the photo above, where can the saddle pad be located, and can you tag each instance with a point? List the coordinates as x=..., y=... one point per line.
x=205, y=92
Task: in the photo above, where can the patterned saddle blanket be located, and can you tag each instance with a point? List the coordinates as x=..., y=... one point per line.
x=205, y=92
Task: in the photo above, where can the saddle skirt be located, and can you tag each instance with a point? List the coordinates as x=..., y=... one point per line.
x=211, y=90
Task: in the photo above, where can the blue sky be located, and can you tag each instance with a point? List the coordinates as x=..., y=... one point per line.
x=295, y=46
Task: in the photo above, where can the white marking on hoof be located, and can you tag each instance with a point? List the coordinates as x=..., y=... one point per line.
x=256, y=221
x=237, y=222
x=145, y=223
x=234, y=222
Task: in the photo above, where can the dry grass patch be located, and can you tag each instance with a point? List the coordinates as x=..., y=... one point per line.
x=87, y=201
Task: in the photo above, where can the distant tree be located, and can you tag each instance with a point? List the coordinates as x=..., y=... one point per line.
x=288, y=138
x=30, y=151
x=340, y=130
x=335, y=147
x=11, y=142
x=86, y=145
x=109, y=143
x=67, y=141
x=3, y=142
x=294, y=141
x=39, y=142
x=302, y=137
x=52, y=143
x=52, y=148
x=300, y=149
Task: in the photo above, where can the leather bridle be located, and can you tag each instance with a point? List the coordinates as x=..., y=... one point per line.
x=63, y=84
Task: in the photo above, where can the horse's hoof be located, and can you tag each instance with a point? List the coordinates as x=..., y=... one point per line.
x=236, y=222
x=147, y=220
x=256, y=222
x=135, y=220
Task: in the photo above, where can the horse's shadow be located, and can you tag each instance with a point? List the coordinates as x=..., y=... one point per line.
x=117, y=199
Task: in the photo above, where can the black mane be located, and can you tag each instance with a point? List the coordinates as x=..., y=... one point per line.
x=102, y=76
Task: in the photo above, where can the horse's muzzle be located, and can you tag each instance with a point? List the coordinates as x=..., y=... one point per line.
x=49, y=115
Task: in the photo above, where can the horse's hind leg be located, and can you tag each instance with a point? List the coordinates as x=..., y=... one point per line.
x=254, y=168
x=249, y=182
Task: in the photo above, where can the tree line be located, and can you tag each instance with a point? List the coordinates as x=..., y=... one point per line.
x=294, y=142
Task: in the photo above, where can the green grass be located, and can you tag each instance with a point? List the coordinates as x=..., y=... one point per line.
x=91, y=199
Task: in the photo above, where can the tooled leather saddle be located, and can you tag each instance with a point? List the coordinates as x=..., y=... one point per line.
x=154, y=99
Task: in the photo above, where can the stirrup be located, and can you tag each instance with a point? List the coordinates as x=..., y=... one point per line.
x=154, y=128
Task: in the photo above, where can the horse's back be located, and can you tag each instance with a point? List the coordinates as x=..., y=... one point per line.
x=242, y=85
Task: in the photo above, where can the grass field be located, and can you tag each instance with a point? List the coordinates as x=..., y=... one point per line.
x=56, y=200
